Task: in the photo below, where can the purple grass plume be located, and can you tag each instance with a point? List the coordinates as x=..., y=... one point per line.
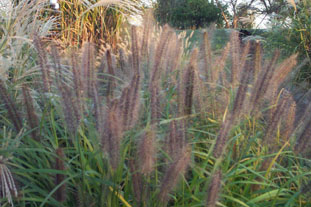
x=177, y=167
x=32, y=118
x=60, y=194
x=13, y=113
x=214, y=189
x=147, y=151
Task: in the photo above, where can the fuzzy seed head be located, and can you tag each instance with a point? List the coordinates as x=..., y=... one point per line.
x=213, y=189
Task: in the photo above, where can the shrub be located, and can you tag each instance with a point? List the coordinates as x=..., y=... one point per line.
x=291, y=33
x=189, y=13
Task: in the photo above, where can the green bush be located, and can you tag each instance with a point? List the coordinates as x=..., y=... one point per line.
x=189, y=14
x=291, y=32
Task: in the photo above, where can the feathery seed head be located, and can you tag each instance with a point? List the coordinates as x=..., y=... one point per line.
x=111, y=138
x=88, y=63
x=213, y=189
x=176, y=139
x=222, y=137
x=31, y=115
x=178, y=167
x=45, y=71
x=7, y=182
x=60, y=194
x=11, y=107
x=188, y=84
x=147, y=151
x=279, y=111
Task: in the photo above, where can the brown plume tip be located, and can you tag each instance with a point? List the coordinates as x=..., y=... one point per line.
x=188, y=83
x=11, y=107
x=111, y=138
x=60, y=193
x=111, y=71
x=136, y=180
x=45, y=71
x=88, y=62
x=214, y=189
x=176, y=139
x=147, y=151
x=177, y=168
x=277, y=113
x=222, y=137
x=32, y=118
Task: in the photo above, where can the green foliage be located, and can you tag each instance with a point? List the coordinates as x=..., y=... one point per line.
x=291, y=32
x=188, y=13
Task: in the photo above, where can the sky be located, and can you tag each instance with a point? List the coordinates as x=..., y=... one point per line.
x=148, y=2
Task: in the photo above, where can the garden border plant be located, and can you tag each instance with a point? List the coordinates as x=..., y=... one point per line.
x=151, y=125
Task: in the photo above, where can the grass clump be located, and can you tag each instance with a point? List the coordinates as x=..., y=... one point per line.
x=151, y=125
x=97, y=21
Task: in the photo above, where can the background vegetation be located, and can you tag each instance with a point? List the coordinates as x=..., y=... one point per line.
x=96, y=21
x=291, y=33
x=188, y=13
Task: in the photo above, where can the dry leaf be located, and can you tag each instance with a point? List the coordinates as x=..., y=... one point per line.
x=292, y=2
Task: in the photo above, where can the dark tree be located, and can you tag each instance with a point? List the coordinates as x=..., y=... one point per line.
x=188, y=13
